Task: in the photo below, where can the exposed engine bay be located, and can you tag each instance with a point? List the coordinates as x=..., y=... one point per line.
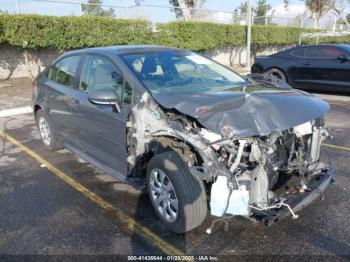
x=253, y=176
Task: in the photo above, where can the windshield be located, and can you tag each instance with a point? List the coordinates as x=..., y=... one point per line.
x=181, y=71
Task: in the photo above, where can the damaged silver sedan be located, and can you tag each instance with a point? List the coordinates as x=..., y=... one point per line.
x=198, y=135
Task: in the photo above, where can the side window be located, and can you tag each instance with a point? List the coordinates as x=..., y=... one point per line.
x=299, y=52
x=127, y=94
x=99, y=72
x=323, y=53
x=63, y=72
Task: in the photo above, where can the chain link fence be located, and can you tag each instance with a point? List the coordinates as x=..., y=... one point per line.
x=160, y=14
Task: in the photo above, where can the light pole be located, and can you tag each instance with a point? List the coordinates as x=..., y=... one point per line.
x=249, y=30
x=17, y=7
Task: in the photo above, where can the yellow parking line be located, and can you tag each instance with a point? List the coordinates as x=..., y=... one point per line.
x=337, y=147
x=131, y=224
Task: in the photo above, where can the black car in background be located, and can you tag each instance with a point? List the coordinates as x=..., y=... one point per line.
x=314, y=67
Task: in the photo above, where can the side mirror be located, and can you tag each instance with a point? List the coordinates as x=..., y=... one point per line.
x=343, y=58
x=105, y=96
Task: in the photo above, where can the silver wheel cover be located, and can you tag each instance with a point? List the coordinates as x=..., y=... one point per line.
x=44, y=131
x=163, y=196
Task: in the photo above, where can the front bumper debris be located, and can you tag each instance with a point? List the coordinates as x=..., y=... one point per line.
x=317, y=186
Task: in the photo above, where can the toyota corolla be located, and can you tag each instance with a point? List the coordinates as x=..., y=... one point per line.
x=200, y=137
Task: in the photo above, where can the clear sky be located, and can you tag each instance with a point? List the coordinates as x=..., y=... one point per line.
x=162, y=14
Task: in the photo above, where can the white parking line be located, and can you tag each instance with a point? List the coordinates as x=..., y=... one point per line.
x=16, y=111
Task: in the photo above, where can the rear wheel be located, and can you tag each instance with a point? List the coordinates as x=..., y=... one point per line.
x=177, y=196
x=46, y=131
x=276, y=74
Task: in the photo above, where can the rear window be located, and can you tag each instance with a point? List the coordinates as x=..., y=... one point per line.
x=63, y=72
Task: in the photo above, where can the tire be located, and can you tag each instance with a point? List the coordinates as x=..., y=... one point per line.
x=48, y=136
x=277, y=74
x=178, y=184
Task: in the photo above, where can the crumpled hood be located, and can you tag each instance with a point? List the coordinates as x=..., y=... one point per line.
x=258, y=112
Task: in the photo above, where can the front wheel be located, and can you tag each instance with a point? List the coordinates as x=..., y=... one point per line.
x=177, y=196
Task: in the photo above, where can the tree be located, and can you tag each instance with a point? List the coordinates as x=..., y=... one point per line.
x=262, y=8
x=261, y=11
x=187, y=9
x=93, y=7
x=243, y=7
x=319, y=7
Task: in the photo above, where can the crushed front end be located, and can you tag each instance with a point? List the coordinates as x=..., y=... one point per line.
x=257, y=153
x=272, y=176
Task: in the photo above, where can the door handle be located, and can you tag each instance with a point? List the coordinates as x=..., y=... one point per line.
x=306, y=63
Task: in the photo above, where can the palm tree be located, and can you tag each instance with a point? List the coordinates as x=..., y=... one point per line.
x=187, y=9
x=319, y=7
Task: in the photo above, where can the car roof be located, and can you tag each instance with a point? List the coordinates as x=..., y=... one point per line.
x=336, y=45
x=342, y=46
x=123, y=49
x=321, y=45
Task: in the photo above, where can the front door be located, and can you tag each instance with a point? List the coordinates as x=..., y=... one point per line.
x=101, y=129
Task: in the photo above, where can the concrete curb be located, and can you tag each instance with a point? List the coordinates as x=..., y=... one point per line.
x=16, y=111
x=334, y=98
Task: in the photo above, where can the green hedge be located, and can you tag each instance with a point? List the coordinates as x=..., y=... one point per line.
x=200, y=35
x=203, y=35
x=70, y=32
x=276, y=35
x=334, y=40
x=2, y=34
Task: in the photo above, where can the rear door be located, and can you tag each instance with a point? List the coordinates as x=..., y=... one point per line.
x=61, y=83
x=321, y=69
x=101, y=130
x=295, y=57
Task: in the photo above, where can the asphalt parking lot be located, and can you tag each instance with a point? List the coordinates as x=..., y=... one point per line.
x=53, y=203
